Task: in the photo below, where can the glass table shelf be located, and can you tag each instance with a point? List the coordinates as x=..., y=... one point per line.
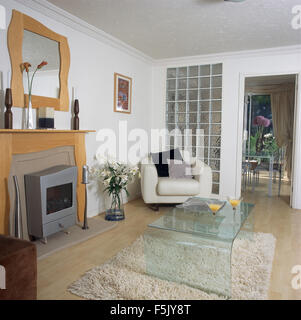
x=223, y=226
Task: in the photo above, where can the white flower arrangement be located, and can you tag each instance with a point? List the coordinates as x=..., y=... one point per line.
x=115, y=176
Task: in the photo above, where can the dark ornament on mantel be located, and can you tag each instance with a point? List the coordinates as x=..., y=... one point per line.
x=8, y=117
x=76, y=118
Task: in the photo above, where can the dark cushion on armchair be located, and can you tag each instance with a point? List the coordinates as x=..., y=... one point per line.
x=161, y=163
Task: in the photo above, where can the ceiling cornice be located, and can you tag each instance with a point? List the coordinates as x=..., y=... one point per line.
x=219, y=57
x=80, y=25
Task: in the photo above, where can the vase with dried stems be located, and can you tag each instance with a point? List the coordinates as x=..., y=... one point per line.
x=25, y=67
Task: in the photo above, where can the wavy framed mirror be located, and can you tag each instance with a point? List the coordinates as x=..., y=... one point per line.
x=30, y=41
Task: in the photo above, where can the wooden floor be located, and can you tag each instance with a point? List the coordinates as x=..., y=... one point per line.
x=272, y=215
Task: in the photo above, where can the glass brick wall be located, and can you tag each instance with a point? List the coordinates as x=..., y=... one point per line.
x=194, y=101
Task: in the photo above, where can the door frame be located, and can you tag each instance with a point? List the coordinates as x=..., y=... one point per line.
x=296, y=166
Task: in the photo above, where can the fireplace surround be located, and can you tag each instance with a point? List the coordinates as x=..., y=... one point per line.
x=19, y=142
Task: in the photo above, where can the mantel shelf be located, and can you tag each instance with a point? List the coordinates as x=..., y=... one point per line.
x=43, y=131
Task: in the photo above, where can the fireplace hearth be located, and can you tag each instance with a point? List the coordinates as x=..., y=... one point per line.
x=50, y=200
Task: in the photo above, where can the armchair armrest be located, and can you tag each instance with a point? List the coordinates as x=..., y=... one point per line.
x=149, y=181
x=203, y=174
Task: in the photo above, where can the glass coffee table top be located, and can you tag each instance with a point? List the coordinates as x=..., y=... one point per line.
x=223, y=226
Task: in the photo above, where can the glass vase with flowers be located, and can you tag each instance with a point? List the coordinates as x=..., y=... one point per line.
x=25, y=67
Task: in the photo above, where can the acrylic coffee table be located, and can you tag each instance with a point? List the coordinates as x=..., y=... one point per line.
x=194, y=248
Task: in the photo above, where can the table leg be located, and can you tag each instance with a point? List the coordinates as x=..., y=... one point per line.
x=280, y=179
x=253, y=181
x=270, y=176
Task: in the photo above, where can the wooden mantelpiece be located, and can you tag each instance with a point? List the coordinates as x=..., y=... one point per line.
x=18, y=141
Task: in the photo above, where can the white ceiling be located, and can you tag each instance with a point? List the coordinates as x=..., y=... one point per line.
x=176, y=28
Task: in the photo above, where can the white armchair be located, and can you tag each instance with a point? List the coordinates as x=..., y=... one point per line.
x=156, y=190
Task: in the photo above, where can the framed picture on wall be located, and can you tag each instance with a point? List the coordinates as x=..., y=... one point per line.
x=122, y=93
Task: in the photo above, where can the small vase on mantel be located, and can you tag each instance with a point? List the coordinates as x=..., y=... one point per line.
x=25, y=66
x=29, y=116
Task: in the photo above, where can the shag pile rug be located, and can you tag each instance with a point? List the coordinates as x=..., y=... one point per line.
x=123, y=277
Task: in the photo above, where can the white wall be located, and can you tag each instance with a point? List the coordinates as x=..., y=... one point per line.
x=272, y=61
x=93, y=63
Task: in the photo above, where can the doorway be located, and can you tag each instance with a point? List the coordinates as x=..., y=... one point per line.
x=268, y=133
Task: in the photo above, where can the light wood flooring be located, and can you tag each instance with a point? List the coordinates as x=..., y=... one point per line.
x=272, y=215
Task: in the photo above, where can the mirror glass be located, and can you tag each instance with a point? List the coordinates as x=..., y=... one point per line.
x=36, y=49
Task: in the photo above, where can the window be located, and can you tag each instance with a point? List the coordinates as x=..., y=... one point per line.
x=194, y=101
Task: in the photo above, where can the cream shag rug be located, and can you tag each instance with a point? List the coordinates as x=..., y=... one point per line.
x=123, y=277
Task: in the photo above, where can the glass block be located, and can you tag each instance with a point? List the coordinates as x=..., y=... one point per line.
x=193, y=94
x=178, y=141
x=217, y=68
x=193, y=140
x=182, y=107
x=215, y=177
x=182, y=83
x=215, y=141
x=206, y=141
x=204, y=117
x=205, y=70
x=181, y=126
x=216, y=117
x=193, y=117
x=193, y=107
x=171, y=117
x=215, y=188
x=200, y=138
x=216, y=93
x=200, y=152
x=204, y=106
x=193, y=71
x=216, y=82
x=181, y=95
x=205, y=127
x=205, y=82
x=182, y=72
x=171, y=107
x=171, y=126
x=181, y=117
x=216, y=105
x=171, y=95
x=171, y=73
x=193, y=83
x=216, y=129
x=171, y=84
x=193, y=151
x=193, y=129
x=204, y=94
x=215, y=153
x=214, y=164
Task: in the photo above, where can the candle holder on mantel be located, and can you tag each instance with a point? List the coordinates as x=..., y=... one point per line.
x=8, y=117
x=76, y=112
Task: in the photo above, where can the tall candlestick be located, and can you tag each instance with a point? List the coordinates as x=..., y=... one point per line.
x=85, y=181
x=85, y=178
x=8, y=115
x=76, y=118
